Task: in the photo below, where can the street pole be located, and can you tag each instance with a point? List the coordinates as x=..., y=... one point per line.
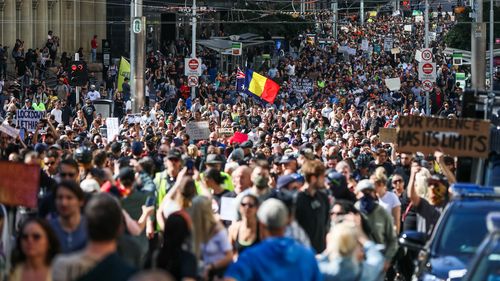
x=335, y=7
x=426, y=41
x=77, y=88
x=137, y=59
x=362, y=12
x=193, y=43
x=478, y=69
x=492, y=26
x=132, y=51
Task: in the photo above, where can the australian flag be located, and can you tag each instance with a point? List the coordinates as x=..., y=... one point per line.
x=240, y=81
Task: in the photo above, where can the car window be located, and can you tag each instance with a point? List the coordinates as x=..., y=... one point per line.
x=463, y=232
x=488, y=268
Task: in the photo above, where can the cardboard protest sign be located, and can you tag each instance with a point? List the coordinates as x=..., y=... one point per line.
x=393, y=84
x=198, y=130
x=21, y=189
x=225, y=131
x=388, y=135
x=134, y=118
x=28, y=119
x=304, y=85
x=456, y=137
x=9, y=130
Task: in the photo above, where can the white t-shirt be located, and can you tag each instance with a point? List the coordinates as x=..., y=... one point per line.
x=93, y=95
x=57, y=114
x=389, y=201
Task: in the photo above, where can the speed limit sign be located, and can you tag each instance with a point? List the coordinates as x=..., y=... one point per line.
x=426, y=54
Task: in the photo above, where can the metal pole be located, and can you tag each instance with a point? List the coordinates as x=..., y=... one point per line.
x=132, y=50
x=138, y=55
x=77, y=88
x=335, y=8
x=426, y=42
x=362, y=12
x=193, y=43
x=492, y=26
x=478, y=48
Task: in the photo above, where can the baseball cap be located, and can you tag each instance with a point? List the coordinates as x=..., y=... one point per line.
x=364, y=185
x=174, y=154
x=247, y=144
x=287, y=159
x=214, y=159
x=273, y=213
x=90, y=186
x=137, y=148
x=288, y=179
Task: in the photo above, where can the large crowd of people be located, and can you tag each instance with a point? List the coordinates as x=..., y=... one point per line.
x=302, y=189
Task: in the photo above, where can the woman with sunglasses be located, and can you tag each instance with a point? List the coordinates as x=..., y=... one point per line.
x=245, y=233
x=35, y=249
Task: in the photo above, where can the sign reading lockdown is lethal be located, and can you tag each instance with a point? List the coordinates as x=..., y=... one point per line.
x=28, y=119
x=456, y=137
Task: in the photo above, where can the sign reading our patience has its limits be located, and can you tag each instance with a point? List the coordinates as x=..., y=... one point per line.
x=456, y=137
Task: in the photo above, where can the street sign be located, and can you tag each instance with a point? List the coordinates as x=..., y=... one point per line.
x=236, y=48
x=193, y=81
x=426, y=55
x=137, y=25
x=192, y=67
x=457, y=58
x=427, y=71
x=427, y=85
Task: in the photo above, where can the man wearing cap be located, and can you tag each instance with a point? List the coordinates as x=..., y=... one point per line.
x=216, y=161
x=276, y=257
x=292, y=182
x=166, y=179
x=289, y=163
x=247, y=150
x=428, y=209
x=378, y=219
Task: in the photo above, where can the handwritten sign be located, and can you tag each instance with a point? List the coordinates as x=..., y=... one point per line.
x=22, y=189
x=28, y=119
x=198, y=130
x=9, y=130
x=304, y=85
x=388, y=135
x=134, y=118
x=225, y=131
x=456, y=137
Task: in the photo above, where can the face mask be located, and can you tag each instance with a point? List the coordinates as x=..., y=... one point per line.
x=367, y=204
x=261, y=182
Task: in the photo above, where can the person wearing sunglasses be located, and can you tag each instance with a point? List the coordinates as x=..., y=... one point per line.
x=244, y=233
x=36, y=247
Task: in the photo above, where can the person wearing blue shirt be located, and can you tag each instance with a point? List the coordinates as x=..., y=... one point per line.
x=277, y=257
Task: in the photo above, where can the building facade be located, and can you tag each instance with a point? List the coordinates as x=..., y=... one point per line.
x=74, y=22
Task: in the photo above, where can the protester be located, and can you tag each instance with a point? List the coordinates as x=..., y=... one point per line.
x=276, y=257
x=99, y=260
x=245, y=233
x=36, y=247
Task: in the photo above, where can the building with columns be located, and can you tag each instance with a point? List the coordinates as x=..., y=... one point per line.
x=73, y=21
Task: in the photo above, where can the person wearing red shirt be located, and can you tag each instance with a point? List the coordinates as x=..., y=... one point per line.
x=93, y=46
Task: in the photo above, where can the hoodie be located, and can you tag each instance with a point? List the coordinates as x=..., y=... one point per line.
x=276, y=258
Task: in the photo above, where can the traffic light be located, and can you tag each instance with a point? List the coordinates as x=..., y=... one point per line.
x=78, y=73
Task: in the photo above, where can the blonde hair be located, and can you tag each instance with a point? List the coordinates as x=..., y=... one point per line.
x=344, y=240
x=204, y=222
x=192, y=151
x=379, y=176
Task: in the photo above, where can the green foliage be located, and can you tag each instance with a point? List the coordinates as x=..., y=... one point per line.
x=459, y=36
